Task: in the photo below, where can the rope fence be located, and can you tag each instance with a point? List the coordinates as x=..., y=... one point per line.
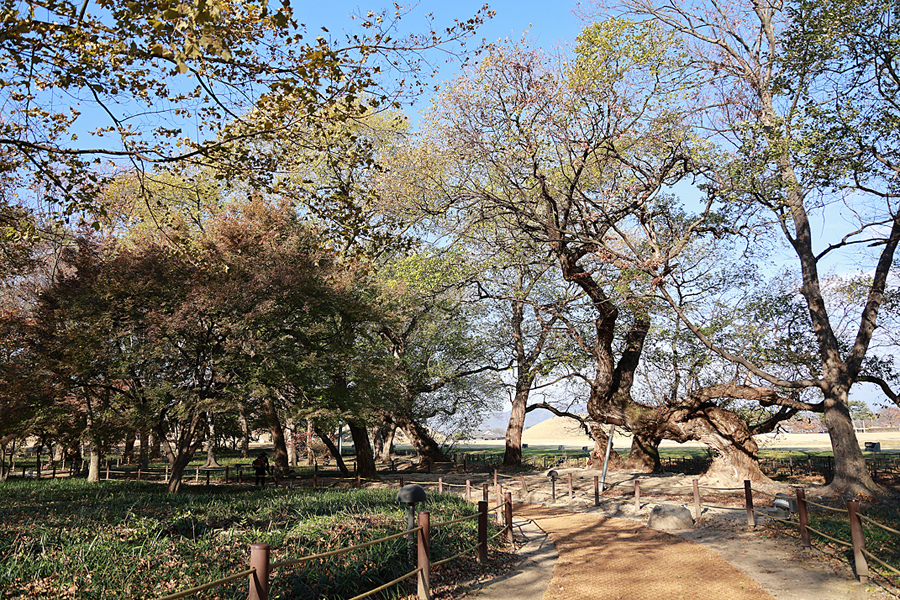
x=261, y=566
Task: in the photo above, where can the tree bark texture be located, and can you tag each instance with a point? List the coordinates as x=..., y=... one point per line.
x=426, y=448
x=365, y=461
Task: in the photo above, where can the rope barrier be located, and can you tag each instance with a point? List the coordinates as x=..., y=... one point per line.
x=831, y=508
x=877, y=524
x=880, y=562
x=387, y=585
x=460, y=520
x=297, y=561
x=496, y=535
x=209, y=585
x=828, y=537
x=765, y=514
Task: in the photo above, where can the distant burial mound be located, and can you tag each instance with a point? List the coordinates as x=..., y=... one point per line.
x=560, y=429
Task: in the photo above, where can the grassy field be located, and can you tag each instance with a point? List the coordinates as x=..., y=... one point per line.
x=67, y=538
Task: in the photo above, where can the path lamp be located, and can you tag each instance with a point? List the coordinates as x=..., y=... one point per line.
x=552, y=475
x=410, y=495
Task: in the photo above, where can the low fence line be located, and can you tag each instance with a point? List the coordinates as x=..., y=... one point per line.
x=261, y=567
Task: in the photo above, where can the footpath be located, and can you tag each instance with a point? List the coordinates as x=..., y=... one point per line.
x=592, y=556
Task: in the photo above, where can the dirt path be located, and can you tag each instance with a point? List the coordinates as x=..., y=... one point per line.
x=603, y=558
x=605, y=550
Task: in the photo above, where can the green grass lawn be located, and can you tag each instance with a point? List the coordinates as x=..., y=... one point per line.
x=67, y=538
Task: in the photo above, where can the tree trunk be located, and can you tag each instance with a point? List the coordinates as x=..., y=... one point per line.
x=644, y=455
x=271, y=414
x=144, y=453
x=245, y=435
x=94, y=466
x=426, y=448
x=737, y=456
x=155, y=445
x=365, y=461
x=323, y=435
x=291, y=443
x=128, y=452
x=851, y=478
x=211, y=443
x=513, y=454
x=310, y=453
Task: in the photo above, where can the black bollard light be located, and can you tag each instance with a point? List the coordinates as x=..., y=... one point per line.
x=410, y=495
x=552, y=475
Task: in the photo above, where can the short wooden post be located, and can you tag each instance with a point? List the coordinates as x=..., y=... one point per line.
x=107, y=470
x=240, y=470
x=440, y=485
x=696, y=500
x=495, y=477
x=748, y=500
x=316, y=481
x=524, y=485
x=139, y=474
x=484, y=491
x=498, y=489
x=197, y=473
x=424, y=555
x=805, y=542
x=507, y=518
x=167, y=472
x=571, y=489
x=358, y=479
x=226, y=473
x=54, y=470
x=482, y=530
x=859, y=541
x=468, y=491
x=259, y=581
x=596, y=490
x=207, y=478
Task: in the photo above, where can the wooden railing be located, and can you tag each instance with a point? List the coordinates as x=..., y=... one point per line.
x=261, y=566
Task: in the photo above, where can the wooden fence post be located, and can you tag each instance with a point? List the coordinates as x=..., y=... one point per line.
x=468, y=491
x=571, y=489
x=139, y=474
x=107, y=470
x=524, y=485
x=226, y=473
x=358, y=479
x=259, y=581
x=859, y=541
x=637, y=495
x=424, y=562
x=805, y=542
x=207, y=479
x=440, y=485
x=696, y=501
x=748, y=500
x=499, y=491
x=401, y=481
x=484, y=491
x=495, y=477
x=197, y=473
x=507, y=517
x=482, y=530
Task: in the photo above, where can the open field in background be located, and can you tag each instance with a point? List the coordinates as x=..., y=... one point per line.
x=559, y=431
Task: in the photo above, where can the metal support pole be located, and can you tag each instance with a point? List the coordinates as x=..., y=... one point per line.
x=424, y=555
x=259, y=581
x=805, y=542
x=482, y=531
x=696, y=500
x=748, y=499
x=609, y=441
x=859, y=541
